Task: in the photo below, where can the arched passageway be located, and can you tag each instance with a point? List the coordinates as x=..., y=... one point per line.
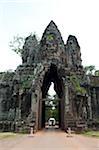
x=52, y=76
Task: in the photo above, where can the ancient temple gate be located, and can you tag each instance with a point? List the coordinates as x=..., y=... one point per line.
x=42, y=63
x=48, y=75
x=53, y=67
x=55, y=62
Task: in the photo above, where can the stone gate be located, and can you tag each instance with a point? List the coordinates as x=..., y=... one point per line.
x=23, y=92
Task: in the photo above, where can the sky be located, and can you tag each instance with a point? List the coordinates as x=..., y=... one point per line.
x=51, y=90
x=76, y=17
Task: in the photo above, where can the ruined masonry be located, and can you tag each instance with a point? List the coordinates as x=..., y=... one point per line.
x=23, y=92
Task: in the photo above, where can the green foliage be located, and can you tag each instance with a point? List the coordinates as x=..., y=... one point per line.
x=6, y=76
x=26, y=81
x=92, y=133
x=49, y=112
x=56, y=114
x=97, y=73
x=76, y=83
x=50, y=37
x=7, y=135
x=89, y=70
x=16, y=44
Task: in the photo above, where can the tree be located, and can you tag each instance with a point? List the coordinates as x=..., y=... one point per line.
x=97, y=73
x=50, y=103
x=76, y=83
x=89, y=70
x=17, y=44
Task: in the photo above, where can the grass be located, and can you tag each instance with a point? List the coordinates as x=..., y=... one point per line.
x=4, y=135
x=92, y=133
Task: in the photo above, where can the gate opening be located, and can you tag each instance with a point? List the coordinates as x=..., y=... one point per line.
x=51, y=108
x=54, y=107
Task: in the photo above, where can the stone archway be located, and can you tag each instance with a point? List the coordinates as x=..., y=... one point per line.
x=50, y=60
x=51, y=75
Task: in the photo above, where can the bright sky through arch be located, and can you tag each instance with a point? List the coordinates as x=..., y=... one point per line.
x=76, y=17
x=51, y=90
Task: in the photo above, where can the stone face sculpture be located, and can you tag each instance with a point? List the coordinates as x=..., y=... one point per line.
x=29, y=49
x=73, y=49
x=52, y=45
x=23, y=94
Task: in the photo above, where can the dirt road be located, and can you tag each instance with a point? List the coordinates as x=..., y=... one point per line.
x=50, y=140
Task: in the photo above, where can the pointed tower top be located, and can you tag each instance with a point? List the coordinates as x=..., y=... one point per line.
x=72, y=39
x=51, y=43
x=52, y=23
x=52, y=30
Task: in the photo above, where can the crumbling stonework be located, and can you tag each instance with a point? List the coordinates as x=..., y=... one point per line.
x=23, y=98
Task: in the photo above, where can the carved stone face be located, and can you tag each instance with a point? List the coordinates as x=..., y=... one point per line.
x=72, y=44
x=51, y=42
x=52, y=48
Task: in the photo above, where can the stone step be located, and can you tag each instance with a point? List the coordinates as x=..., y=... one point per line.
x=73, y=123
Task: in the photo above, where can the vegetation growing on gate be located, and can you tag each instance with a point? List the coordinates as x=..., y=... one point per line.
x=26, y=81
x=76, y=83
x=91, y=70
x=7, y=76
x=50, y=37
x=17, y=43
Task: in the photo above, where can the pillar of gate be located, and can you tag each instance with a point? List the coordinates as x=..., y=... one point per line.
x=66, y=105
x=34, y=109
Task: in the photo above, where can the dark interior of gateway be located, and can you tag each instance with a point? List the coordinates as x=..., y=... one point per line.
x=52, y=76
